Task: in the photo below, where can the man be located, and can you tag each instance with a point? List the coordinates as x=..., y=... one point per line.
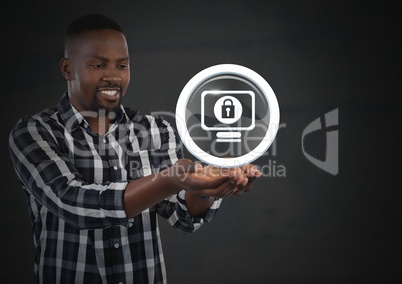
x=96, y=174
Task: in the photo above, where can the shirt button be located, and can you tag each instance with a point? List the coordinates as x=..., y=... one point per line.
x=104, y=140
x=115, y=168
x=120, y=282
x=116, y=245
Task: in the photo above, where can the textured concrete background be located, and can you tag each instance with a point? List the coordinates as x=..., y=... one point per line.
x=307, y=227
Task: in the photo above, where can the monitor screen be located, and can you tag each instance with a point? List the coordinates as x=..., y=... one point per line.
x=227, y=110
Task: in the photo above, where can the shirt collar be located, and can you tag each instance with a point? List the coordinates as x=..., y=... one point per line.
x=72, y=118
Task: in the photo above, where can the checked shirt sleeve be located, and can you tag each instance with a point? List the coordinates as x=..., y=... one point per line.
x=174, y=208
x=47, y=173
x=175, y=211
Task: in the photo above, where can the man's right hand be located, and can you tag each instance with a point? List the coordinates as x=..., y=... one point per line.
x=205, y=181
x=197, y=180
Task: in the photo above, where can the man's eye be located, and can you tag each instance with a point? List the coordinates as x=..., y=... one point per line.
x=98, y=65
x=123, y=66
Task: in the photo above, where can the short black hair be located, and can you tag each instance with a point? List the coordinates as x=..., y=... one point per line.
x=90, y=22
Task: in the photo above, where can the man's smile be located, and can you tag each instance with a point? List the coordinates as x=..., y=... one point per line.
x=109, y=93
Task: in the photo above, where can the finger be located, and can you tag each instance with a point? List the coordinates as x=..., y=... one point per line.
x=236, y=173
x=251, y=170
x=226, y=188
x=183, y=166
x=196, y=168
x=216, y=171
x=202, y=181
x=250, y=184
x=222, y=190
x=242, y=177
x=241, y=187
x=211, y=171
x=238, y=189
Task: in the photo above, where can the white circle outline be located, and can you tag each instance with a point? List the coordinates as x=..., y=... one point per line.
x=227, y=69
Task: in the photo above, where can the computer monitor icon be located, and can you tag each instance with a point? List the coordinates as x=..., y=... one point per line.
x=229, y=112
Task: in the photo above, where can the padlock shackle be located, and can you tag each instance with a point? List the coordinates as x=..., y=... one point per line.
x=224, y=102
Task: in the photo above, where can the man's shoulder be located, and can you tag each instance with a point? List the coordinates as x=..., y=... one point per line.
x=48, y=116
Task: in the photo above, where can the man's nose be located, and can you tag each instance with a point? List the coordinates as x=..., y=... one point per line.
x=111, y=75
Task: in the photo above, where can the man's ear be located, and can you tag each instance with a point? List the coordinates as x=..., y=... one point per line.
x=65, y=69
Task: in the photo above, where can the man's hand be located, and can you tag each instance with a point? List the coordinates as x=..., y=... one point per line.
x=245, y=175
x=198, y=181
x=191, y=176
x=211, y=181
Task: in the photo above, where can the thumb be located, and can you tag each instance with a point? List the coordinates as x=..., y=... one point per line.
x=188, y=166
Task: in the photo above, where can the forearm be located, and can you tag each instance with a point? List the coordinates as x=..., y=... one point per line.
x=143, y=193
x=196, y=205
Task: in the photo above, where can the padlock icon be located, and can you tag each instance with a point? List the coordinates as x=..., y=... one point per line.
x=228, y=109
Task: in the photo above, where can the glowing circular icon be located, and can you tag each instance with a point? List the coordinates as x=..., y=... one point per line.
x=227, y=115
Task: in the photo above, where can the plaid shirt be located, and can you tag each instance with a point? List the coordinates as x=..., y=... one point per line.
x=74, y=181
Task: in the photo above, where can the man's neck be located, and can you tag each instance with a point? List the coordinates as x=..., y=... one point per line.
x=99, y=125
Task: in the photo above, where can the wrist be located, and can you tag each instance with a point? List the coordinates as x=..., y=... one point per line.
x=208, y=197
x=169, y=181
x=199, y=196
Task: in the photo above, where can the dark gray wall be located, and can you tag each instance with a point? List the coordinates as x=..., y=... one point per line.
x=309, y=227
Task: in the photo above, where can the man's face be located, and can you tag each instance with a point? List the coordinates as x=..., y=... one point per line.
x=98, y=71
